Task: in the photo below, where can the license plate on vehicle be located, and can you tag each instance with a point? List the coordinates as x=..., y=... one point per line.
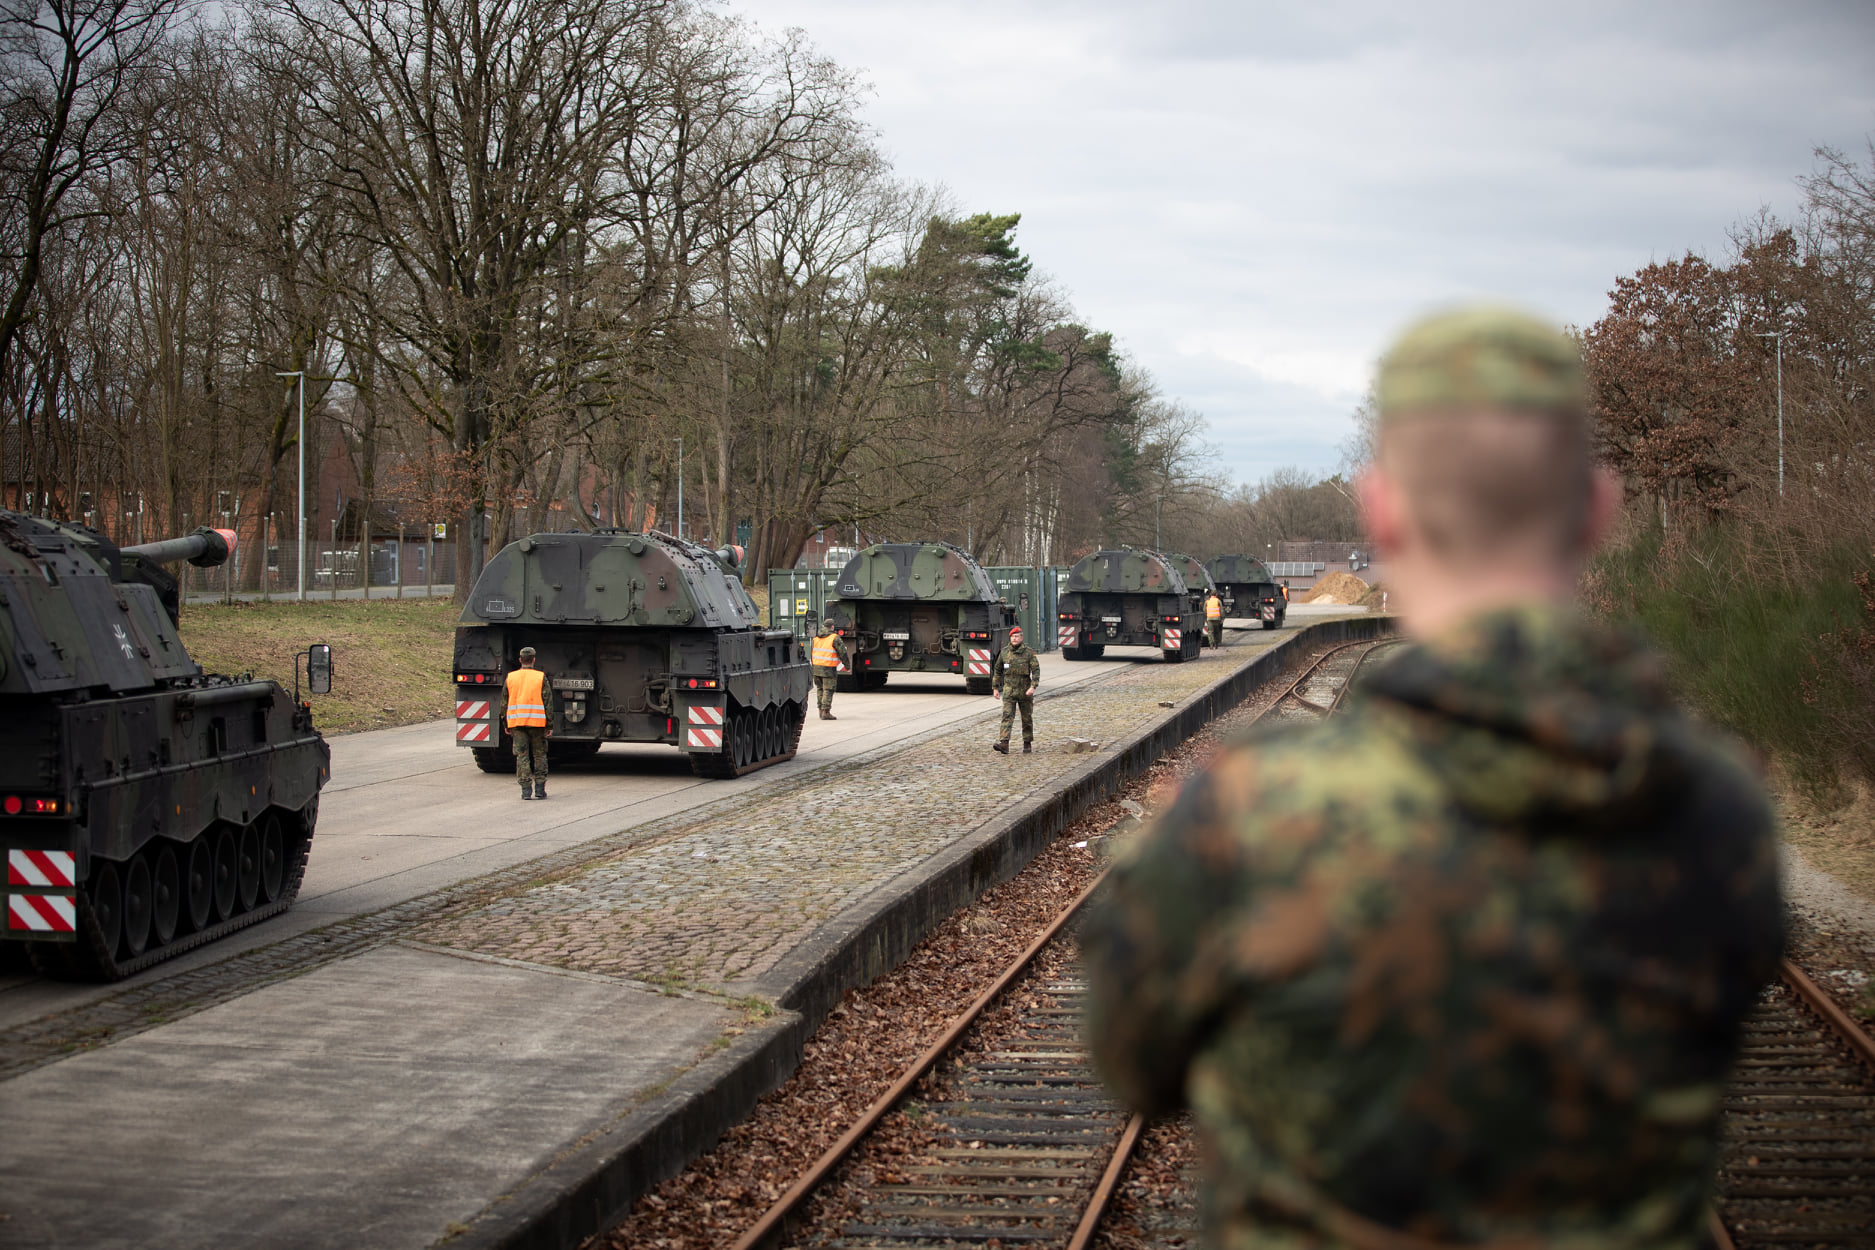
x=572, y=683
x=1109, y=620
x=891, y=636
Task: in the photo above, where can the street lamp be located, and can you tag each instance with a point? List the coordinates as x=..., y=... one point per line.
x=300, y=380
x=1779, y=336
x=680, y=488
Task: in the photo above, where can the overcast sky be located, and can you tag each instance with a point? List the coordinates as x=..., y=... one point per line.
x=1253, y=197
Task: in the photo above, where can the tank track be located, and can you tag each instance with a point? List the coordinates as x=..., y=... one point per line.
x=721, y=765
x=86, y=959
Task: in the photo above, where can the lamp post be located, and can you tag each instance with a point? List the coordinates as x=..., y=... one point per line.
x=299, y=376
x=1779, y=336
x=680, y=488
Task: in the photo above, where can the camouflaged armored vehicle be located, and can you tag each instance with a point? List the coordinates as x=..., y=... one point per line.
x=1197, y=581
x=145, y=807
x=643, y=638
x=918, y=608
x=1125, y=597
x=1248, y=589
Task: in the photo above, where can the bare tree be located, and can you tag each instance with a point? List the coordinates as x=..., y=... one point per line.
x=66, y=70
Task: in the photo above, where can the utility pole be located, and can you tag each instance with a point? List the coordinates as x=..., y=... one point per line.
x=300, y=376
x=680, y=487
x=1779, y=336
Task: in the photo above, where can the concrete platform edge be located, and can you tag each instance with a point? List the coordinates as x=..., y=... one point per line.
x=590, y=1189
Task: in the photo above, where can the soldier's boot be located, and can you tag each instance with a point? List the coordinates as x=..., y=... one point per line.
x=1001, y=747
x=527, y=789
x=540, y=788
x=1028, y=746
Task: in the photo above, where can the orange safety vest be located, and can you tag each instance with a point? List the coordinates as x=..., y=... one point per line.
x=1213, y=609
x=825, y=656
x=526, y=707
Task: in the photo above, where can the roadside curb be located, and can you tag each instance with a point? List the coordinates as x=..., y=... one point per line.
x=591, y=1186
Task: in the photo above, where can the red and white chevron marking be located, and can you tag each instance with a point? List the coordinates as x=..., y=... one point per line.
x=979, y=662
x=707, y=739
x=1067, y=635
x=42, y=913
x=700, y=715
x=472, y=731
x=1174, y=639
x=44, y=868
x=471, y=709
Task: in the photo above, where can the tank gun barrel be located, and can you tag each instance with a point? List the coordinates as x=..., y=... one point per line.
x=205, y=548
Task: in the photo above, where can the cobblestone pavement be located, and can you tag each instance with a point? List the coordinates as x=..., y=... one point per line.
x=712, y=896
x=721, y=899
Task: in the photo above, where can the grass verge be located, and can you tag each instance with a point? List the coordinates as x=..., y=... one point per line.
x=390, y=657
x=1784, y=658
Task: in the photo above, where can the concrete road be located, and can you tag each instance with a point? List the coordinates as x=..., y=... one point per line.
x=407, y=811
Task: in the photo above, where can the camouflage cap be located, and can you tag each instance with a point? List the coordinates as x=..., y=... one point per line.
x=1481, y=357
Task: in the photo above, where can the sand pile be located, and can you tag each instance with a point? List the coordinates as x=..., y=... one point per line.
x=1337, y=587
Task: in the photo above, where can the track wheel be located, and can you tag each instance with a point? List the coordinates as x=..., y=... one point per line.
x=744, y=731
x=166, y=908
x=198, y=883
x=227, y=872
x=247, y=866
x=765, y=736
x=272, y=857
x=137, y=904
x=106, y=890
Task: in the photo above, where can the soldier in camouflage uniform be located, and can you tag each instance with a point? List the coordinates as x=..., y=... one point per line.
x=1466, y=964
x=1018, y=672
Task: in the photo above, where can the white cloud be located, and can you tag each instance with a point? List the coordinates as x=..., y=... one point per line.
x=1253, y=197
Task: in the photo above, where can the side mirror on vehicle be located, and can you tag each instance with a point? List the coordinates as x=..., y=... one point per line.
x=319, y=668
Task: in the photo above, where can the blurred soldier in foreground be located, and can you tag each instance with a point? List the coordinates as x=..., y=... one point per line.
x=830, y=652
x=1466, y=964
x=1018, y=671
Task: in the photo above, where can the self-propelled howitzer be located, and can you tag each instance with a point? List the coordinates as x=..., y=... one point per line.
x=919, y=608
x=1128, y=598
x=145, y=807
x=642, y=638
x=1249, y=590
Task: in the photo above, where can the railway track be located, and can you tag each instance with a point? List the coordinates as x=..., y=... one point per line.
x=1015, y=1141
x=1797, y=1166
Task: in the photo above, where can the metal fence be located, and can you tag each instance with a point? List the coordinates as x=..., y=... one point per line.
x=389, y=569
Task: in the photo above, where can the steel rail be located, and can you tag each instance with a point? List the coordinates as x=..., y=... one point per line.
x=1109, y=1184
x=1819, y=1001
